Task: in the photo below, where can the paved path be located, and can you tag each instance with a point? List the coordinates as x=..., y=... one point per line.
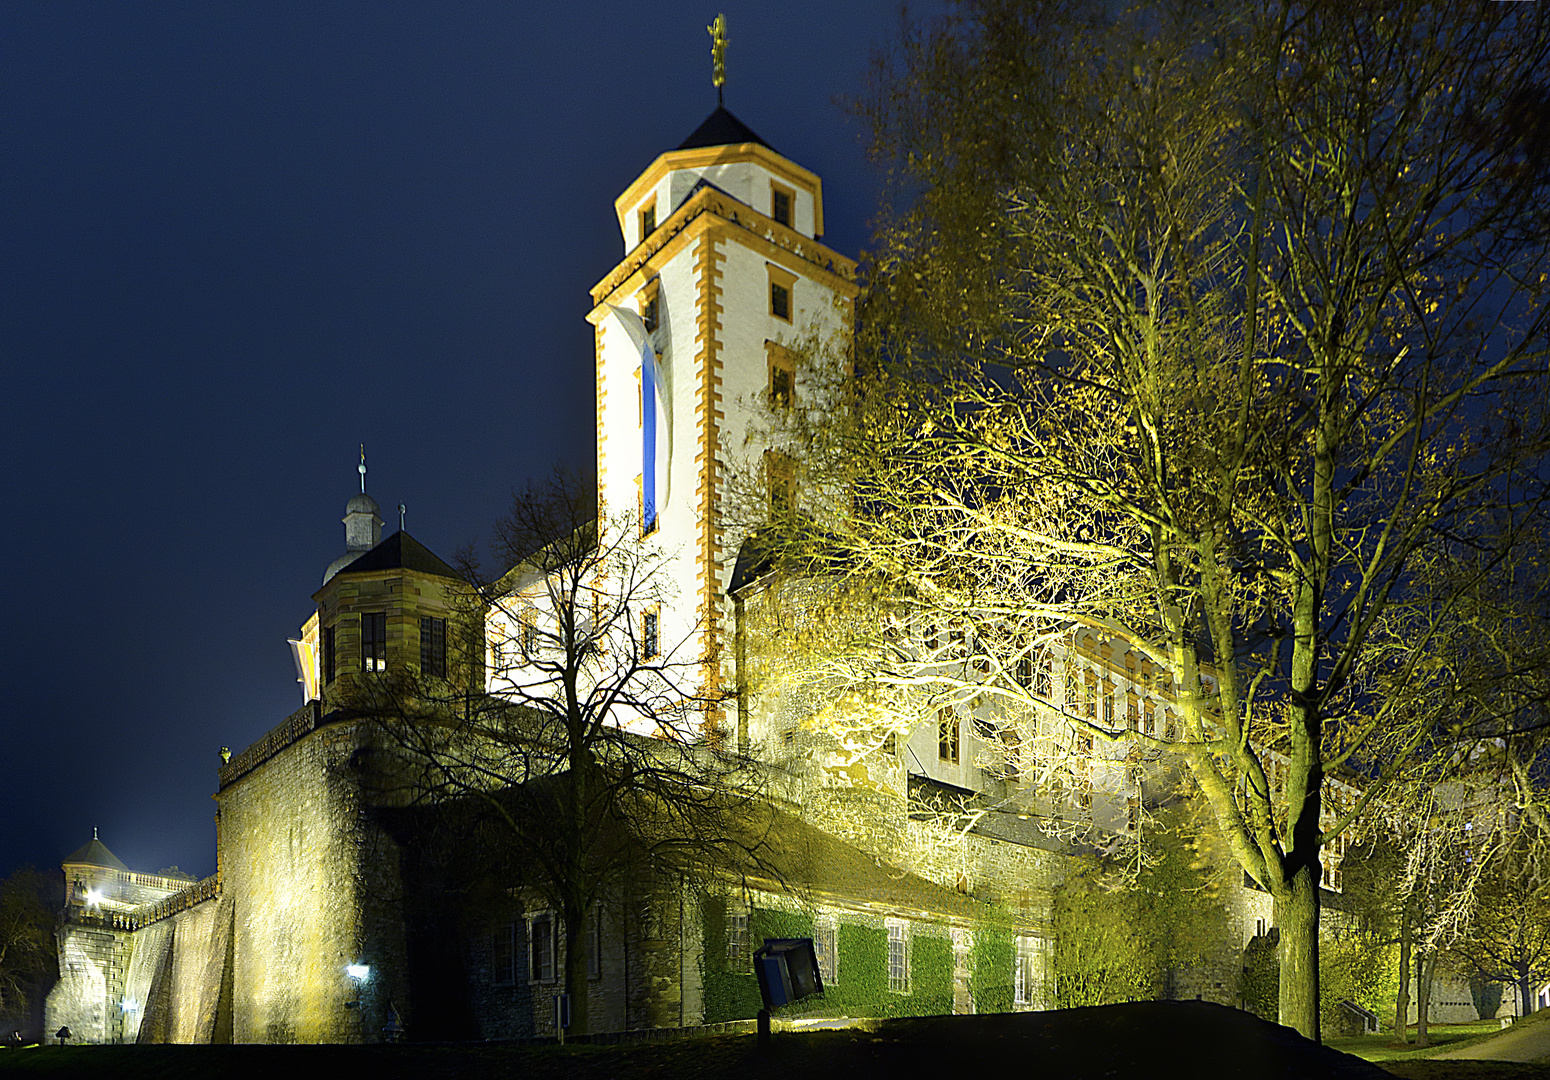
x=1528, y=1041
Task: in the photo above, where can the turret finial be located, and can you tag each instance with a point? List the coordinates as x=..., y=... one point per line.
x=362, y=469
x=718, y=54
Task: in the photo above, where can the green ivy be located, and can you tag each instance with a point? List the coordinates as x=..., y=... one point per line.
x=862, y=986
x=991, y=963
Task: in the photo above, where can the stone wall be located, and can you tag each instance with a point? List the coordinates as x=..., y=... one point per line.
x=308, y=877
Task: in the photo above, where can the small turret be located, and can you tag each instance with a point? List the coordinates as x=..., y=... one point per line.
x=362, y=526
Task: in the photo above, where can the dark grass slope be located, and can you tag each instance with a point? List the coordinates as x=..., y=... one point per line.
x=1150, y=1039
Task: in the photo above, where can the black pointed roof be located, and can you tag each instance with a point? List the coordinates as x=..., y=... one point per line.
x=401, y=552
x=95, y=853
x=721, y=128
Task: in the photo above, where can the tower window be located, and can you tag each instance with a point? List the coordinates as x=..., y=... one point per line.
x=781, y=284
x=433, y=647
x=781, y=475
x=649, y=308
x=780, y=204
x=651, y=634
x=330, y=671
x=780, y=387
x=783, y=375
x=374, y=641
x=648, y=220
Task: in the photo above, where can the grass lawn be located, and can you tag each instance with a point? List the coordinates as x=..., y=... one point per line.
x=1443, y=1036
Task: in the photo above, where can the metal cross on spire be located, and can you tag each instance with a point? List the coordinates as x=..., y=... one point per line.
x=718, y=54
x=362, y=468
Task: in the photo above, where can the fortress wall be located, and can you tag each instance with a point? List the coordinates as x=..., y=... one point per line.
x=291, y=841
x=91, y=969
x=149, y=950
x=183, y=1004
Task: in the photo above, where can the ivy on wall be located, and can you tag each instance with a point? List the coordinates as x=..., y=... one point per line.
x=862, y=987
x=991, y=960
x=1122, y=938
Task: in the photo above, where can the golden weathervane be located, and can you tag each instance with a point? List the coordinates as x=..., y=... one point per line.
x=718, y=54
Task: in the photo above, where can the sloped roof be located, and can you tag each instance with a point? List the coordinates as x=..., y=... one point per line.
x=721, y=128
x=95, y=853
x=401, y=552
x=793, y=854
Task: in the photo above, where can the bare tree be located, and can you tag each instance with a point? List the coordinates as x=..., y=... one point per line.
x=1189, y=333
x=581, y=754
x=1509, y=937
x=26, y=941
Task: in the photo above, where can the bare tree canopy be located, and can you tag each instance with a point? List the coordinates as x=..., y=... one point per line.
x=578, y=755
x=1202, y=333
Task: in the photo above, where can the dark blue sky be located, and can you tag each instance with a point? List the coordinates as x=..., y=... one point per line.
x=237, y=240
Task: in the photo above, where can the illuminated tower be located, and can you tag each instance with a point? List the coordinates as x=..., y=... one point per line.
x=723, y=269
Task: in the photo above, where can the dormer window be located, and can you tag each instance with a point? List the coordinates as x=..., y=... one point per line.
x=648, y=220
x=780, y=204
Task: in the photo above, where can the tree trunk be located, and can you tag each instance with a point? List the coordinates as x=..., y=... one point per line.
x=1425, y=964
x=576, y=947
x=1402, y=999
x=1526, y=1000
x=1297, y=917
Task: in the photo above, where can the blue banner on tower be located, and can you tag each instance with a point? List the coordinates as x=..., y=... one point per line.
x=655, y=421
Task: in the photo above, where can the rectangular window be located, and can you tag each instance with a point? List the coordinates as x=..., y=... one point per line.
x=433, y=647
x=374, y=641
x=330, y=668
x=503, y=955
x=1108, y=706
x=542, y=952
x=650, y=634
x=1025, y=972
x=780, y=204
x=826, y=943
x=1148, y=718
x=648, y=304
x=648, y=220
x=1132, y=711
x=898, y=956
x=1171, y=728
x=947, y=735
x=781, y=475
x=737, y=942
x=782, y=284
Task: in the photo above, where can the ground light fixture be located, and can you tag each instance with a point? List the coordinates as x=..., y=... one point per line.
x=358, y=972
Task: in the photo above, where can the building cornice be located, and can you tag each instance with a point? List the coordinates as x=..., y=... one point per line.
x=707, y=157
x=712, y=208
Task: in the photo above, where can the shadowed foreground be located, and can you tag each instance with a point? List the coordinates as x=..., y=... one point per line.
x=1143, y=1039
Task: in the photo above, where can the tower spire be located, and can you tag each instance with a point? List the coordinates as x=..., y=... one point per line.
x=362, y=468
x=718, y=55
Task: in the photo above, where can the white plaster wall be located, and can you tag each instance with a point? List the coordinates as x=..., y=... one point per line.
x=745, y=181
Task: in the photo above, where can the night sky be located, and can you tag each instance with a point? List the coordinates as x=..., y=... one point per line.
x=238, y=240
